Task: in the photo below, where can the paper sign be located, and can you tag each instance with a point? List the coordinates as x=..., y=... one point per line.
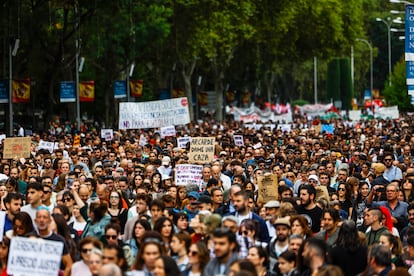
x=257, y=146
x=285, y=127
x=154, y=114
x=182, y=141
x=142, y=140
x=16, y=147
x=2, y=221
x=238, y=140
x=107, y=134
x=268, y=188
x=2, y=137
x=46, y=145
x=202, y=150
x=76, y=141
x=34, y=257
x=321, y=192
x=188, y=174
x=168, y=131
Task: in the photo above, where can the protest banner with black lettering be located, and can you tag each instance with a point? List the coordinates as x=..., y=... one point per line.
x=34, y=257
x=46, y=145
x=238, y=140
x=188, y=174
x=202, y=150
x=16, y=147
x=268, y=188
x=167, y=131
x=107, y=134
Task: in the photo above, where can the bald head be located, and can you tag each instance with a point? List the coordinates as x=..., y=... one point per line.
x=110, y=270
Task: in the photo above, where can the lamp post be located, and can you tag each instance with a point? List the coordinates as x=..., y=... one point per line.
x=388, y=24
x=371, y=72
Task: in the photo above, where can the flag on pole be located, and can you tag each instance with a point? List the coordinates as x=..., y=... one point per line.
x=87, y=91
x=177, y=93
x=21, y=91
x=135, y=87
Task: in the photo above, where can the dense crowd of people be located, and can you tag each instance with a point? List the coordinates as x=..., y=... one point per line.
x=344, y=204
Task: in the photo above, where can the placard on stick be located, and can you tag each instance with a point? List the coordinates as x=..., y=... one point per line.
x=16, y=147
x=268, y=188
x=202, y=149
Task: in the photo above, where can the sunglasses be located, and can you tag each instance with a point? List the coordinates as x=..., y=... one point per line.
x=66, y=199
x=341, y=189
x=114, y=197
x=46, y=192
x=86, y=250
x=111, y=237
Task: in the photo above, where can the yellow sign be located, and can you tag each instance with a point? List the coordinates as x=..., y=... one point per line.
x=268, y=188
x=17, y=147
x=76, y=141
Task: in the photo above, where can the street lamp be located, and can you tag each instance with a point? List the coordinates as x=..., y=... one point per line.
x=371, y=72
x=388, y=24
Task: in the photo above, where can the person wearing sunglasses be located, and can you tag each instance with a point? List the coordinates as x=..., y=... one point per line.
x=198, y=258
x=391, y=172
x=112, y=236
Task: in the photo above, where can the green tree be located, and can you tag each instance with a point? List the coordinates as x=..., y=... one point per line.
x=397, y=93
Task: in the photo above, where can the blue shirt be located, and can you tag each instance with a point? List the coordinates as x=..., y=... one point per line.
x=399, y=211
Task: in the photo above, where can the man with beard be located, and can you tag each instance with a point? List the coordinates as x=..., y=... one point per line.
x=225, y=251
x=241, y=204
x=314, y=255
x=308, y=208
x=13, y=202
x=391, y=172
x=330, y=231
x=47, y=169
x=280, y=242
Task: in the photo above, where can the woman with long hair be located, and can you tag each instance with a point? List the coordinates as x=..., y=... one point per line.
x=61, y=227
x=150, y=250
x=116, y=209
x=98, y=218
x=181, y=196
x=156, y=184
x=164, y=226
x=165, y=266
x=360, y=205
x=394, y=244
x=344, y=197
x=4, y=254
x=349, y=254
x=22, y=224
x=259, y=258
x=407, y=187
x=198, y=258
x=300, y=226
x=140, y=227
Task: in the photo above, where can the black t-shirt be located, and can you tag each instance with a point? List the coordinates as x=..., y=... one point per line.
x=313, y=217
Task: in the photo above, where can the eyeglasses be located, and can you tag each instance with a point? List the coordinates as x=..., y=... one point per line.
x=86, y=250
x=387, y=159
x=111, y=237
x=46, y=192
x=114, y=197
x=341, y=189
x=66, y=199
x=193, y=253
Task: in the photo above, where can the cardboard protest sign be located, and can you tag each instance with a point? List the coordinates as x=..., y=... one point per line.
x=238, y=140
x=34, y=257
x=321, y=192
x=188, y=174
x=202, y=149
x=107, y=134
x=16, y=147
x=268, y=188
x=46, y=145
x=182, y=141
x=167, y=131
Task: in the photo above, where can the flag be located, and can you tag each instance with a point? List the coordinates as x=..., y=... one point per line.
x=135, y=87
x=178, y=93
x=230, y=96
x=21, y=91
x=87, y=91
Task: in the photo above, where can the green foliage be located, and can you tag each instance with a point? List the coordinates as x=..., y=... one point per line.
x=397, y=93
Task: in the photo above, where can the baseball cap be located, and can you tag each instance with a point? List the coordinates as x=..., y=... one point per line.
x=194, y=195
x=165, y=161
x=272, y=204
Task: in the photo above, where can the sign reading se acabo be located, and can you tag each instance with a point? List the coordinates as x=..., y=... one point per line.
x=202, y=150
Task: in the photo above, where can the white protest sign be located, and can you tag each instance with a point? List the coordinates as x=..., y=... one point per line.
x=238, y=140
x=153, y=114
x=2, y=222
x=354, y=115
x=257, y=146
x=188, y=174
x=168, y=131
x=202, y=150
x=285, y=127
x=34, y=257
x=390, y=112
x=182, y=141
x=2, y=137
x=46, y=145
x=142, y=140
x=107, y=134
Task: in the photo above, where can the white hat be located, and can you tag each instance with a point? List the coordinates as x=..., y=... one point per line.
x=314, y=177
x=272, y=204
x=165, y=161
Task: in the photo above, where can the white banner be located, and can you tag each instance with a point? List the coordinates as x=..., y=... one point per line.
x=390, y=112
x=188, y=174
x=182, y=141
x=254, y=114
x=167, y=131
x=354, y=115
x=2, y=137
x=153, y=114
x=34, y=257
x=46, y=145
